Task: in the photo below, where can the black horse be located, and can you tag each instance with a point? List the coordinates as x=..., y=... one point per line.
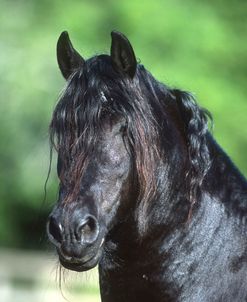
x=145, y=191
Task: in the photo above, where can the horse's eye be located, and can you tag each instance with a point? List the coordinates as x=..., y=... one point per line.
x=123, y=129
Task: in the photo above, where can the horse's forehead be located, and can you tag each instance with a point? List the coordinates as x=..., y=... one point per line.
x=111, y=124
x=110, y=141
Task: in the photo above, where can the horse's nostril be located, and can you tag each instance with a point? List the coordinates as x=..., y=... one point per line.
x=88, y=229
x=55, y=229
x=85, y=229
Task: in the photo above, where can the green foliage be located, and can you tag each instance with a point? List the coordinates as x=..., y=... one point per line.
x=196, y=45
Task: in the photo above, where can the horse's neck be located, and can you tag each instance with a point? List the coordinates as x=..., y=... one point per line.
x=223, y=185
x=145, y=270
x=224, y=182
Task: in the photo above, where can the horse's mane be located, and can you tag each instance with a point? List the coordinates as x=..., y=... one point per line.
x=98, y=93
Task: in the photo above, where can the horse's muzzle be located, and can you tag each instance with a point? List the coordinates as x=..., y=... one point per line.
x=77, y=240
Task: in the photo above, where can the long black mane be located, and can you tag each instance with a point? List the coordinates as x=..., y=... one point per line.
x=97, y=93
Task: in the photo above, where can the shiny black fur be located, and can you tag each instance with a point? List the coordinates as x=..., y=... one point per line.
x=145, y=191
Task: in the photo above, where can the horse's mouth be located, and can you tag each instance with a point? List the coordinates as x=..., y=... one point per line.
x=80, y=265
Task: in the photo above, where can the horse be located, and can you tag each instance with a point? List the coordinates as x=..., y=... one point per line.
x=145, y=192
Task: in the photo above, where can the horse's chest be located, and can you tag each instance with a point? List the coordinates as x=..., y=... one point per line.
x=134, y=286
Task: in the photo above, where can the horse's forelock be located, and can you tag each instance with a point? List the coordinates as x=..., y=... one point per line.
x=77, y=120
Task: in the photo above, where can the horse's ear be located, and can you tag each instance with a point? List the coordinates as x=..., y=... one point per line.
x=67, y=57
x=122, y=54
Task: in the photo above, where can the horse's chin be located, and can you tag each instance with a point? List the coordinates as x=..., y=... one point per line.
x=81, y=265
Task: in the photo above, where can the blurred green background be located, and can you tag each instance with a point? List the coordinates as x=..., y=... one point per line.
x=199, y=46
